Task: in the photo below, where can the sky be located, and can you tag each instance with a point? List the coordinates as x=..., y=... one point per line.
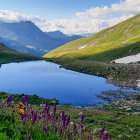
x=69, y=16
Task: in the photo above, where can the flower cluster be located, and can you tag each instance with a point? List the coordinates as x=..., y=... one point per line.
x=53, y=123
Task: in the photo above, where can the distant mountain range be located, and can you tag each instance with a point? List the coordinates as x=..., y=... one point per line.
x=26, y=37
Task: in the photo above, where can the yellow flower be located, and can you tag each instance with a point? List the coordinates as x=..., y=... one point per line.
x=13, y=109
x=88, y=134
x=21, y=111
x=17, y=106
x=20, y=120
x=21, y=104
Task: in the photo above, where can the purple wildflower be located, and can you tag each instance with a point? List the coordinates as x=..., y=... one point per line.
x=23, y=116
x=30, y=137
x=69, y=137
x=101, y=132
x=74, y=130
x=25, y=99
x=45, y=130
x=63, y=114
x=68, y=121
x=106, y=137
x=54, y=109
x=82, y=118
x=34, y=118
x=9, y=99
x=47, y=103
x=56, y=130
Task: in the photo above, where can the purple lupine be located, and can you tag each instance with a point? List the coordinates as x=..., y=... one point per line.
x=45, y=130
x=63, y=114
x=34, y=119
x=47, y=103
x=64, y=120
x=25, y=99
x=82, y=118
x=23, y=116
x=74, y=130
x=68, y=137
x=9, y=99
x=68, y=121
x=106, y=137
x=101, y=132
x=55, y=130
x=30, y=137
x=54, y=109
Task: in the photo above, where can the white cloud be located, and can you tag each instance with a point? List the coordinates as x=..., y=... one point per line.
x=78, y=25
x=9, y=16
x=127, y=7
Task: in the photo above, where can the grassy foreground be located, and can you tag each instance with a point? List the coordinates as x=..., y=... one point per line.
x=19, y=121
x=7, y=55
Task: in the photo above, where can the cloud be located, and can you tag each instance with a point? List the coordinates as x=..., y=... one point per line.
x=77, y=26
x=84, y=22
x=127, y=7
x=9, y=16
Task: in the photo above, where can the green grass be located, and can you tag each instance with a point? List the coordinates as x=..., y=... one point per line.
x=121, y=37
x=7, y=55
x=33, y=99
x=112, y=43
x=120, y=125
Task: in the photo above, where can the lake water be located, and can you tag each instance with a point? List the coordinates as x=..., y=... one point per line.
x=48, y=80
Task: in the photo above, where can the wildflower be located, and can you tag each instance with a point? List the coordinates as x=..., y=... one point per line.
x=74, y=130
x=45, y=130
x=101, y=132
x=47, y=103
x=21, y=104
x=69, y=137
x=34, y=118
x=106, y=137
x=9, y=99
x=17, y=106
x=30, y=137
x=21, y=111
x=54, y=109
x=23, y=116
x=82, y=118
x=63, y=114
x=13, y=109
x=20, y=120
x=25, y=99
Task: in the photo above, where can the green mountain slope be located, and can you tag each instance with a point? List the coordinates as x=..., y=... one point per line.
x=92, y=54
x=117, y=41
x=7, y=55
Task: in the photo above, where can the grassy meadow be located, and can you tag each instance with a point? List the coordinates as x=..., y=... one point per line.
x=20, y=120
x=7, y=55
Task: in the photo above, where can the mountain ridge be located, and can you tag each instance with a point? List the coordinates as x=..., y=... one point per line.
x=26, y=37
x=120, y=35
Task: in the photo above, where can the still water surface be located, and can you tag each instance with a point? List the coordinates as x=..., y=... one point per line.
x=48, y=80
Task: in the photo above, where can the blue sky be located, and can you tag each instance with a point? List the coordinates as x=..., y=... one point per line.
x=52, y=9
x=69, y=16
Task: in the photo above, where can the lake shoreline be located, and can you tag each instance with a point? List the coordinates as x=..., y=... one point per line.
x=122, y=75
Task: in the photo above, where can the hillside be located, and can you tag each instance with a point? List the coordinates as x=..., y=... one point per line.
x=26, y=37
x=118, y=41
x=94, y=54
x=7, y=55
